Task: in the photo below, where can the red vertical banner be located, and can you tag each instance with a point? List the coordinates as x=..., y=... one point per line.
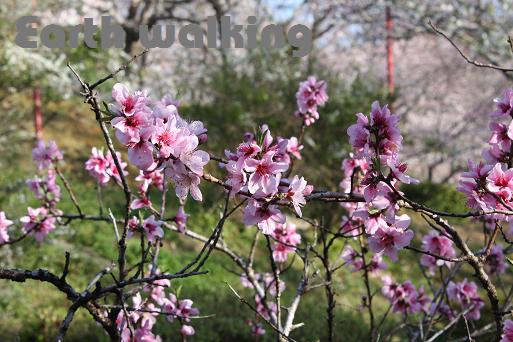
x=38, y=115
x=390, y=52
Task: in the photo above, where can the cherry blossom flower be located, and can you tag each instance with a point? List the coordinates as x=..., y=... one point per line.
x=38, y=223
x=465, y=294
x=46, y=189
x=504, y=105
x=127, y=103
x=266, y=217
x=264, y=174
x=437, y=244
x=133, y=129
x=404, y=297
x=287, y=239
x=97, y=165
x=44, y=155
x=142, y=201
x=155, y=178
x=141, y=154
x=397, y=170
x=477, y=199
x=359, y=132
x=507, y=332
x=133, y=226
x=237, y=178
x=4, y=225
x=194, y=159
x=389, y=240
x=495, y=260
x=500, y=181
x=169, y=139
x=376, y=264
x=152, y=228
x=296, y=193
x=294, y=148
x=352, y=258
x=186, y=182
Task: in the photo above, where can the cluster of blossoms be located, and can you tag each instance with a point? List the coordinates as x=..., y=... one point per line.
x=354, y=259
x=286, y=241
x=265, y=305
x=440, y=245
x=405, y=298
x=375, y=172
x=103, y=168
x=142, y=315
x=158, y=138
x=41, y=221
x=465, y=295
x=256, y=169
x=488, y=185
x=311, y=93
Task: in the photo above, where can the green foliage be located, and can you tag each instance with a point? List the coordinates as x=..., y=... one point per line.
x=443, y=197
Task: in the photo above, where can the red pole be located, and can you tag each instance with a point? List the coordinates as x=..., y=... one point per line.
x=38, y=115
x=389, y=47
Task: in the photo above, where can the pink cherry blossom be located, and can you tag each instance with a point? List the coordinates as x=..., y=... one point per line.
x=266, y=217
x=507, y=332
x=391, y=239
x=465, y=294
x=504, y=105
x=397, y=170
x=127, y=103
x=352, y=258
x=376, y=264
x=141, y=154
x=185, y=181
x=169, y=139
x=264, y=174
x=102, y=167
x=477, y=198
x=44, y=155
x=500, y=181
x=155, y=178
x=133, y=226
x=294, y=148
x=97, y=165
x=4, y=225
x=237, y=177
x=46, y=189
x=287, y=239
x=143, y=200
x=38, y=223
x=296, y=193
x=495, y=261
x=152, y=228
x=132, y=129
x=194, y=159
x=438, y=244
x=404, y=297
